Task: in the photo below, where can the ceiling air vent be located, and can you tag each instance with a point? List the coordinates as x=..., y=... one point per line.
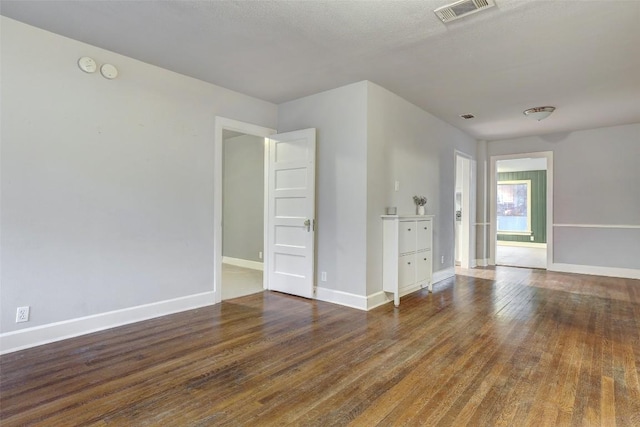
x=462, y=8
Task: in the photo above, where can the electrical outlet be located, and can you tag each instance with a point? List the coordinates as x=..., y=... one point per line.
x=442, y=259
x=22, y=314
x=397, y=185
x=532, y=238
x=323, y=276
x=260, y=255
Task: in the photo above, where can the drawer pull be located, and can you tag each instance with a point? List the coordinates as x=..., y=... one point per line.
x=409, y=263
x=408, y=229
x=425, y=259
x=425, y=228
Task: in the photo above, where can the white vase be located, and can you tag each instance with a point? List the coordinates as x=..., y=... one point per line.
x=420, y=210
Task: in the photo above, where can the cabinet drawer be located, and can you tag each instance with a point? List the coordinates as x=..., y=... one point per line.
x=406, y=271
x=423, y=267
x=423, y=235
x=407, y=237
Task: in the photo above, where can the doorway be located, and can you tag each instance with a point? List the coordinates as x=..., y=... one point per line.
x=229, y=129
x=464, y=210
x=521, y=209
x=243, y=190
x=288, y=212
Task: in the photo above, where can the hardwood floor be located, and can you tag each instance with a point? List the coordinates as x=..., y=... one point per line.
x=492, y=347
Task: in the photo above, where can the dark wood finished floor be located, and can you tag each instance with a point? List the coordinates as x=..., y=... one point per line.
x=492, y=347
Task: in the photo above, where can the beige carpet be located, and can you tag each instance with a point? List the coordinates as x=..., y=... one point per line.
x=239, y=281
x=517, y=256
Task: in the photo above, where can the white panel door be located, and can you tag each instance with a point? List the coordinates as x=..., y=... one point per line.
x=291, y=212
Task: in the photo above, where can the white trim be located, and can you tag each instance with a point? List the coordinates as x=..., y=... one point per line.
x=222, y=123
x=340, y=297
x=482, y=262
x=521, y=244
x=482, y=153
x=381, y=298
x=245, y=263
x=445, y=274
x=623, y=226
x=408, y=217
x=378, y=299
x=44, y=334
x=627, y=273
x=467, y=236
x=265, y=226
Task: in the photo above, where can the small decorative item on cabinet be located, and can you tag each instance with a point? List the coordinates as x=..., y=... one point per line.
x=420, y=201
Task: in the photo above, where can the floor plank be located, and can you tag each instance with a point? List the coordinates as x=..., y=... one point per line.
x=493, y=346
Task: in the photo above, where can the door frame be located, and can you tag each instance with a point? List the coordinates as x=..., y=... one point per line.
x=469, y=214
x=493, y=185
x=221, y=124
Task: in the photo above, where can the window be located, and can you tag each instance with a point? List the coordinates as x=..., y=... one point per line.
x=514, y=207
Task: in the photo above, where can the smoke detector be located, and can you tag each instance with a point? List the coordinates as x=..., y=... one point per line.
x=462, y=8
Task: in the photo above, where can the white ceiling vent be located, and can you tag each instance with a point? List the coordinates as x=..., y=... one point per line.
x=462, y=8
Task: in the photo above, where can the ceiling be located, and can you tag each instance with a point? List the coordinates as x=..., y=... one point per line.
x=582, y=57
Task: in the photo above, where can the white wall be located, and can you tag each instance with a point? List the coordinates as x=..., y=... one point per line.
x=107, y=186
x=368, y=138
x=595, y=180
x=243, y=198
x=407, y=144
x=339, y=115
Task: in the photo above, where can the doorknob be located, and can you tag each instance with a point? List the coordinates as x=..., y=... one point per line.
x=307, y=223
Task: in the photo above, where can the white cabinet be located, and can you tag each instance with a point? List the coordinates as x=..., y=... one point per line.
x=407, y=255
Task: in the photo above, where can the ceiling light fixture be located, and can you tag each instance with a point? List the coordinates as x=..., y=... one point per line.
x=539, y=113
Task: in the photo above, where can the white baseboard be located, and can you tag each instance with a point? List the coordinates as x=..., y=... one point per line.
x=378, y=299
x=342, y=298
x=38, y=335
x=521, y=244
x=245, y=263
x=441, y=275
x=627, y=273
x=483, y=262
x=381, y=298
